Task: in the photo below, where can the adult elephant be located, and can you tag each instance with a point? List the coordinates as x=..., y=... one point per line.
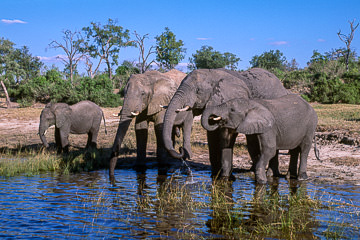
x=80, y=118
x=210, y=87
x=145, y=94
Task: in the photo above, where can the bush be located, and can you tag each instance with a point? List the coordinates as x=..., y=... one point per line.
x=52, y=87
x=98, y=90
x=335, y=90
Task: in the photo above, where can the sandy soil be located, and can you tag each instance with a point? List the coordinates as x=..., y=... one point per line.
x=340, y=156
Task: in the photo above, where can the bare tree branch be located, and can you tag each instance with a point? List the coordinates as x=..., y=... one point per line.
x=347, y=39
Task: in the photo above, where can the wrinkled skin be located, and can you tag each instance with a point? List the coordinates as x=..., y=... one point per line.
x=80, y=118
x=211, y=87
x=144, y=96
x=285, y=123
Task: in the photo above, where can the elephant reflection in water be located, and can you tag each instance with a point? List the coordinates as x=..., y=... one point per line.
x=160, y=208
x=269, y=207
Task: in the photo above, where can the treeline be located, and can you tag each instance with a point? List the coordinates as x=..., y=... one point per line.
x=330, y=77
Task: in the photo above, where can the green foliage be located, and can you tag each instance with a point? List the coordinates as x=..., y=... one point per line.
x=123, y=73
x=98, y=90
x=169, y=51
x=207, y=58
x=104, y=42
x=17, y=64
x=269, y=60
x=335, y=90
x=52, y=87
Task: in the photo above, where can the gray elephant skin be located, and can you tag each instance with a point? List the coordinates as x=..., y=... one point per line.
x=80, y=118
x=145, y=94
x=285, y=123
x=211, y=87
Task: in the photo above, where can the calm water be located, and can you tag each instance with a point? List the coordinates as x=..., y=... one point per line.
x=86, y=205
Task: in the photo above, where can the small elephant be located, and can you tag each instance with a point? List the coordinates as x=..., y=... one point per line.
x=285, y=123
x=80, y=118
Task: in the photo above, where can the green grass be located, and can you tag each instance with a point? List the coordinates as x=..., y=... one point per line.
x=31, y=162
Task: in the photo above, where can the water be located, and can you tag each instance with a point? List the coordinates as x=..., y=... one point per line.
x=86, y=205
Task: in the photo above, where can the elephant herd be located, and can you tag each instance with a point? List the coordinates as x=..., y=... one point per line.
x=252, y=102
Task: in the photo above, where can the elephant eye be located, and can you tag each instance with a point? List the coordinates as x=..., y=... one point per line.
x=232, y=109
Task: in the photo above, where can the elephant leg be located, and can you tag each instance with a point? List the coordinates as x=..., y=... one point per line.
x=268, y=151
x=94, y=134
x=214, y=152
x=58, y=140
x=141, y=131
x=229, y=138
x=88, y=144
x=253, y=149
x=273, y=169
x=293, y=165
x=304, y=153
x=64, y=134
x=161, y=153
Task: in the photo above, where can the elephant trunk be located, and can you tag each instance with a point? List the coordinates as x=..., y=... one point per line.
x=42, y=131
x=177, y=102
x=207, y=119
x=120, y=134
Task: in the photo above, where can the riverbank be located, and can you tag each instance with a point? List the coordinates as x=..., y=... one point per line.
x=337, y=137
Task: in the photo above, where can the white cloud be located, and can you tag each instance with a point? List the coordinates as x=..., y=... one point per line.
x=278, y=43
x=8, y=21
x=52, y=58
x=203, y=39
x=321, y=40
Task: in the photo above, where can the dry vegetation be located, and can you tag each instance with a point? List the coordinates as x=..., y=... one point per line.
x=338, y=138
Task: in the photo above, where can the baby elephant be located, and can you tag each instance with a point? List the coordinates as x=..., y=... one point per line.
x=80, y=118
x=285, y=123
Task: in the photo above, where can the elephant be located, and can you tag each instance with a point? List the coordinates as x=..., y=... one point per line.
x=211, y=87
x=145, y=96
x=285, y=123
x=80, y=118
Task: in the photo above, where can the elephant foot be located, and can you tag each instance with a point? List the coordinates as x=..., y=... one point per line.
x=273, y=173
x=230, y=178
x=92, y=145
x=302, y=176
x=260, y=176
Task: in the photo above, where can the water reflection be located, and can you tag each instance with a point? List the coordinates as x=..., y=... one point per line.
x=160, y=203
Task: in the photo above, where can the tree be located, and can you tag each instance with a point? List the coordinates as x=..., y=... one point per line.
x=206, y=57
x=269, y=60
x=17, y=64
x=104, y=42
x=347, y=39
x=143, y=55
x=71, y=45
x=169, y=51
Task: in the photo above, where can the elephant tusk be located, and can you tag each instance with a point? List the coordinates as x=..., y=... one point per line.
x=45, y=132
x=217, y=118
x=183, y=109
x=116, y=115
x=134, y=113
x=162, y=106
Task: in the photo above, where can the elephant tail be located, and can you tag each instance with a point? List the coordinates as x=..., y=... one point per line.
x=104, y=121
x=316, y=150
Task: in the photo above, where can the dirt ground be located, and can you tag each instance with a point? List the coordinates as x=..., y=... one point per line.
x=340, y=156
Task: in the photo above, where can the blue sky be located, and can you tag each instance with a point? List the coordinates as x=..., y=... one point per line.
x=245, y=28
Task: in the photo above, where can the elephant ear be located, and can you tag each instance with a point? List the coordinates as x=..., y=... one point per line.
x=62, y=115
x=257, y=120
x=164, y=89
